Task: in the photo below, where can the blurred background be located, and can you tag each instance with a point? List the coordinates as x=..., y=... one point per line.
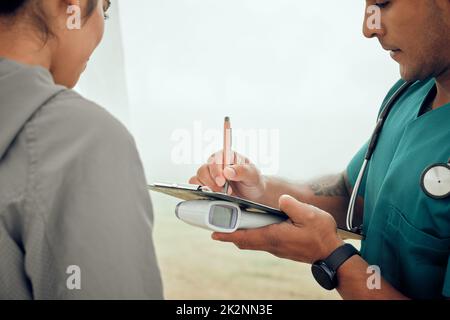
x=298, y=79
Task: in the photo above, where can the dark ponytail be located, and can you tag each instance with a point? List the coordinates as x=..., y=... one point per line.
x=10, y=7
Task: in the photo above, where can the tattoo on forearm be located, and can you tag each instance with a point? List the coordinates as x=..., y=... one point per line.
x=332, y=186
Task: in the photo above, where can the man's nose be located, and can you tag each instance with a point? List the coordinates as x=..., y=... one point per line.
x=373, y=24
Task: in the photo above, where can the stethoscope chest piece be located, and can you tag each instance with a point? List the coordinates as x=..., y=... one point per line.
x=435, y=181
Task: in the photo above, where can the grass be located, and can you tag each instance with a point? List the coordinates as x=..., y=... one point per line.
x=195, y=267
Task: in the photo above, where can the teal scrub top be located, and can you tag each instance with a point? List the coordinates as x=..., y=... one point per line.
x=407, y=233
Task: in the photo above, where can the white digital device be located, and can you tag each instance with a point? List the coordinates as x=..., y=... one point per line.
x=249, y=214
x=222, y=216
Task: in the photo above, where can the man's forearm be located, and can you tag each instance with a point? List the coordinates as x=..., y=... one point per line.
x=353, y=283
x=328, y=193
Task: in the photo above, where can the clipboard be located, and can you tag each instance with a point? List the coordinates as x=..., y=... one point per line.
x=195, y=192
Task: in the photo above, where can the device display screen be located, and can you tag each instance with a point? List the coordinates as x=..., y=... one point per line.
x=223, y=217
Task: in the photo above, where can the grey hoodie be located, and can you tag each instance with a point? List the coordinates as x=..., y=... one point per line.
x=75, y=215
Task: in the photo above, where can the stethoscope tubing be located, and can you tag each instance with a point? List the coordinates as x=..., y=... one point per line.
x=370, y=150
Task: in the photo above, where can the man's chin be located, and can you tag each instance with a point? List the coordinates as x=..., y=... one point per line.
x=411, y=75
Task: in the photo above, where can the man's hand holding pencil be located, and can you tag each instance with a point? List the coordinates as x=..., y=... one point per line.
x=229, y=172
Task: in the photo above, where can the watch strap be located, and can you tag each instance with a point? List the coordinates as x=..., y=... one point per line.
x=340, y=255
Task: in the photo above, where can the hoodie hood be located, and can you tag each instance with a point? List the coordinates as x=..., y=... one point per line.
x=23, y=90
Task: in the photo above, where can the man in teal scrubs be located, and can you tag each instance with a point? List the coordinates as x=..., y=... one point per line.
x=407, y=232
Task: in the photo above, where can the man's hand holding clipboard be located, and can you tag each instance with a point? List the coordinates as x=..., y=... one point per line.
x=313, y=213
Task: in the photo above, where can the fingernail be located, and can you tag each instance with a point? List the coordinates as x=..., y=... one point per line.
x=220, y=181
x=214, y=236
x=231, y=173
x=285, y=197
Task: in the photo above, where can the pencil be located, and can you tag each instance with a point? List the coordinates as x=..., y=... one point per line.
x=227, y=153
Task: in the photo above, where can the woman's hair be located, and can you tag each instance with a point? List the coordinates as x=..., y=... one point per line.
x=12, y=8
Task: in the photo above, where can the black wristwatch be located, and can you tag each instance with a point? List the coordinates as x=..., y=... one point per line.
x=325, y=271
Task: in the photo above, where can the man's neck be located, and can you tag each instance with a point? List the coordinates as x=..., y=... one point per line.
x=443, y=90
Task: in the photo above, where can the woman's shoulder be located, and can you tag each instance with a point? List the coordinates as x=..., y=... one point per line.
x=70, y=117
x=73, y=142
x=70, y=108
x=72, y=135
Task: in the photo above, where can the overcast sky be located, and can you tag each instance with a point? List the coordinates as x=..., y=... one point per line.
x=300, y=82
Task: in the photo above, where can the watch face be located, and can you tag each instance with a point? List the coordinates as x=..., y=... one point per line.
x=324, y=276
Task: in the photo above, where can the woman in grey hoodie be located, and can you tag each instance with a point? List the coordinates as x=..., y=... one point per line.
x=75, y=215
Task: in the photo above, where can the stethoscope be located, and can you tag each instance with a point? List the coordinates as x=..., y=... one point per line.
x=435, y=180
